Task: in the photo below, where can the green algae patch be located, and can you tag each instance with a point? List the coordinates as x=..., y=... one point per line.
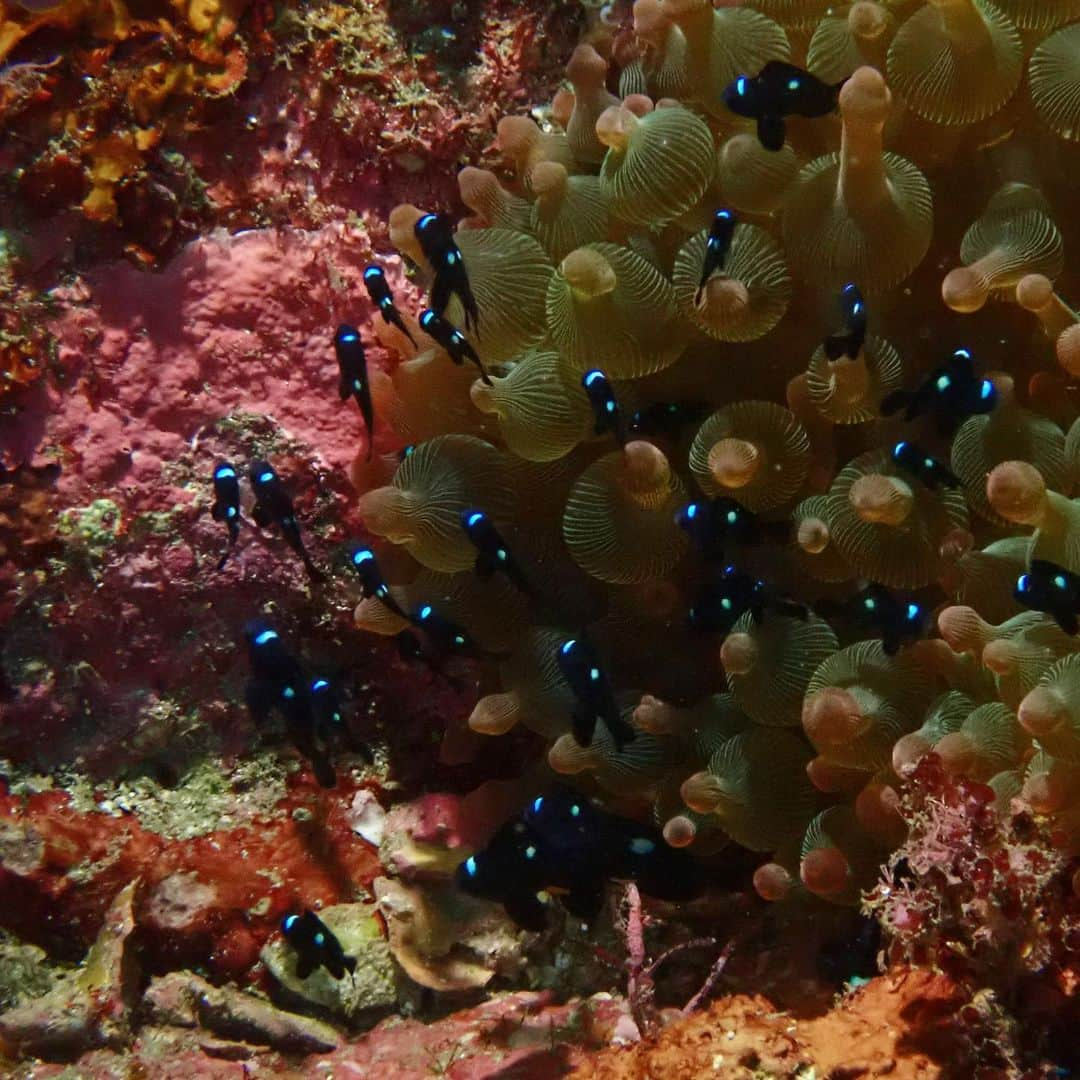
x=94, y=527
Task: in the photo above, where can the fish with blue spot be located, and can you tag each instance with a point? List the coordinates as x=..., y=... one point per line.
x=897, y=621
x=849, y=341
x=918, y=464
x=713, y=525
x=452, y=340
x=274, y=506
x=594, y=698
x=353, y=377
x=723, y=599
x=372, y=581
x=328, y=713
x=446, y=637
x=778, y=91
x=436, y=238
x=951, y=393
x=493, y=554
x=411, y=649
x=1053, y=590
x=563, y=845
x=315, y=946
x=605, y=405
x=279, y=682
x=717, y=246
x=226, y=506
x=378, y=290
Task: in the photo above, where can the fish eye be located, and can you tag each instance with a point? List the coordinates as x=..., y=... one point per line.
x=567, y=646
x=870, y=604
x=288, y=693
x=530, y=852
x=363, y=555
x=425, y=612
x=726, y=603
x=928, y=462
x=732, y=516
x=458, y=639
x=913, y=611
x=943, y=382
x=320, y=938
x=1059, y=581
x=470, y=866
x=265, y=636
x=728, y=571
x=231, y=512
x=793, y=84
x=538, y=802
x=575, y=810
x=594, y=674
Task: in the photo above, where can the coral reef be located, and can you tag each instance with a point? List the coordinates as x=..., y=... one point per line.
x=191, y=194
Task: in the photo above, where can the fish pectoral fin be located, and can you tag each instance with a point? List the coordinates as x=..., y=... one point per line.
x=584, y=900
x=770, y=132
x=304, y=966
x=261, y=516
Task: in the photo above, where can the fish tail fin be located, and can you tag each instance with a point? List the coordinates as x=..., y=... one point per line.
x=950, y=479
x=584, y=724
x=622, y=732
x=894, y=402
x=1069, y=622
x=224, y=558
x=837, y=345
x=771, y=132
x=324, y=771
x=349, y=963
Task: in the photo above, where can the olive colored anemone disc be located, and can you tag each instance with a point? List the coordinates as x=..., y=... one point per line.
x=629, y=331
x=830, y=244
x=890, y=692
x=1040, y=14
x=1054, y=73
x=956, y=68
x=769, y=664
x=794, y=14
x=432, y=397
x=812, y=545
x=984, y=579
x=508, y=273
x=1052, y=711
x=421, y=508
x=851, y=391
x=903, y=555
x=779, y=440
x=995, y=739
x=541, y=410
x=837, y=829
x=1009, y=433
x=620, y=535
x=535, y=692
x=752, y=179
x=579, y=217
x=638, y=768
x=754, y=266
x=764, y=797
x=835, y=51
x=664, y=169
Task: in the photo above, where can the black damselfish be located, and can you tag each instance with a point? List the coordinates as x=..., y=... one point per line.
x=917, y=463
x=605, y=405
x=899, y=622
x=721, y=601
x=951, y=392
x=352, y=376
x=378, y=289
x=595, y=700
x=445, y=637
x=278, y=681
x=410, y=648
x=372, y=582
x=329, y=717
x=493, y=555
x=1053, y=590
x=436, y=237
x=315, y=946
x=716, y=248
x=779, y=90
x=274, y=506
x=713, y=525
x=452, y=340
x=564, y=845
x=226, y=506
x=849, y=342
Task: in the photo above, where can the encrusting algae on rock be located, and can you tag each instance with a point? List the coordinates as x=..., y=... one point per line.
x=787, y=603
